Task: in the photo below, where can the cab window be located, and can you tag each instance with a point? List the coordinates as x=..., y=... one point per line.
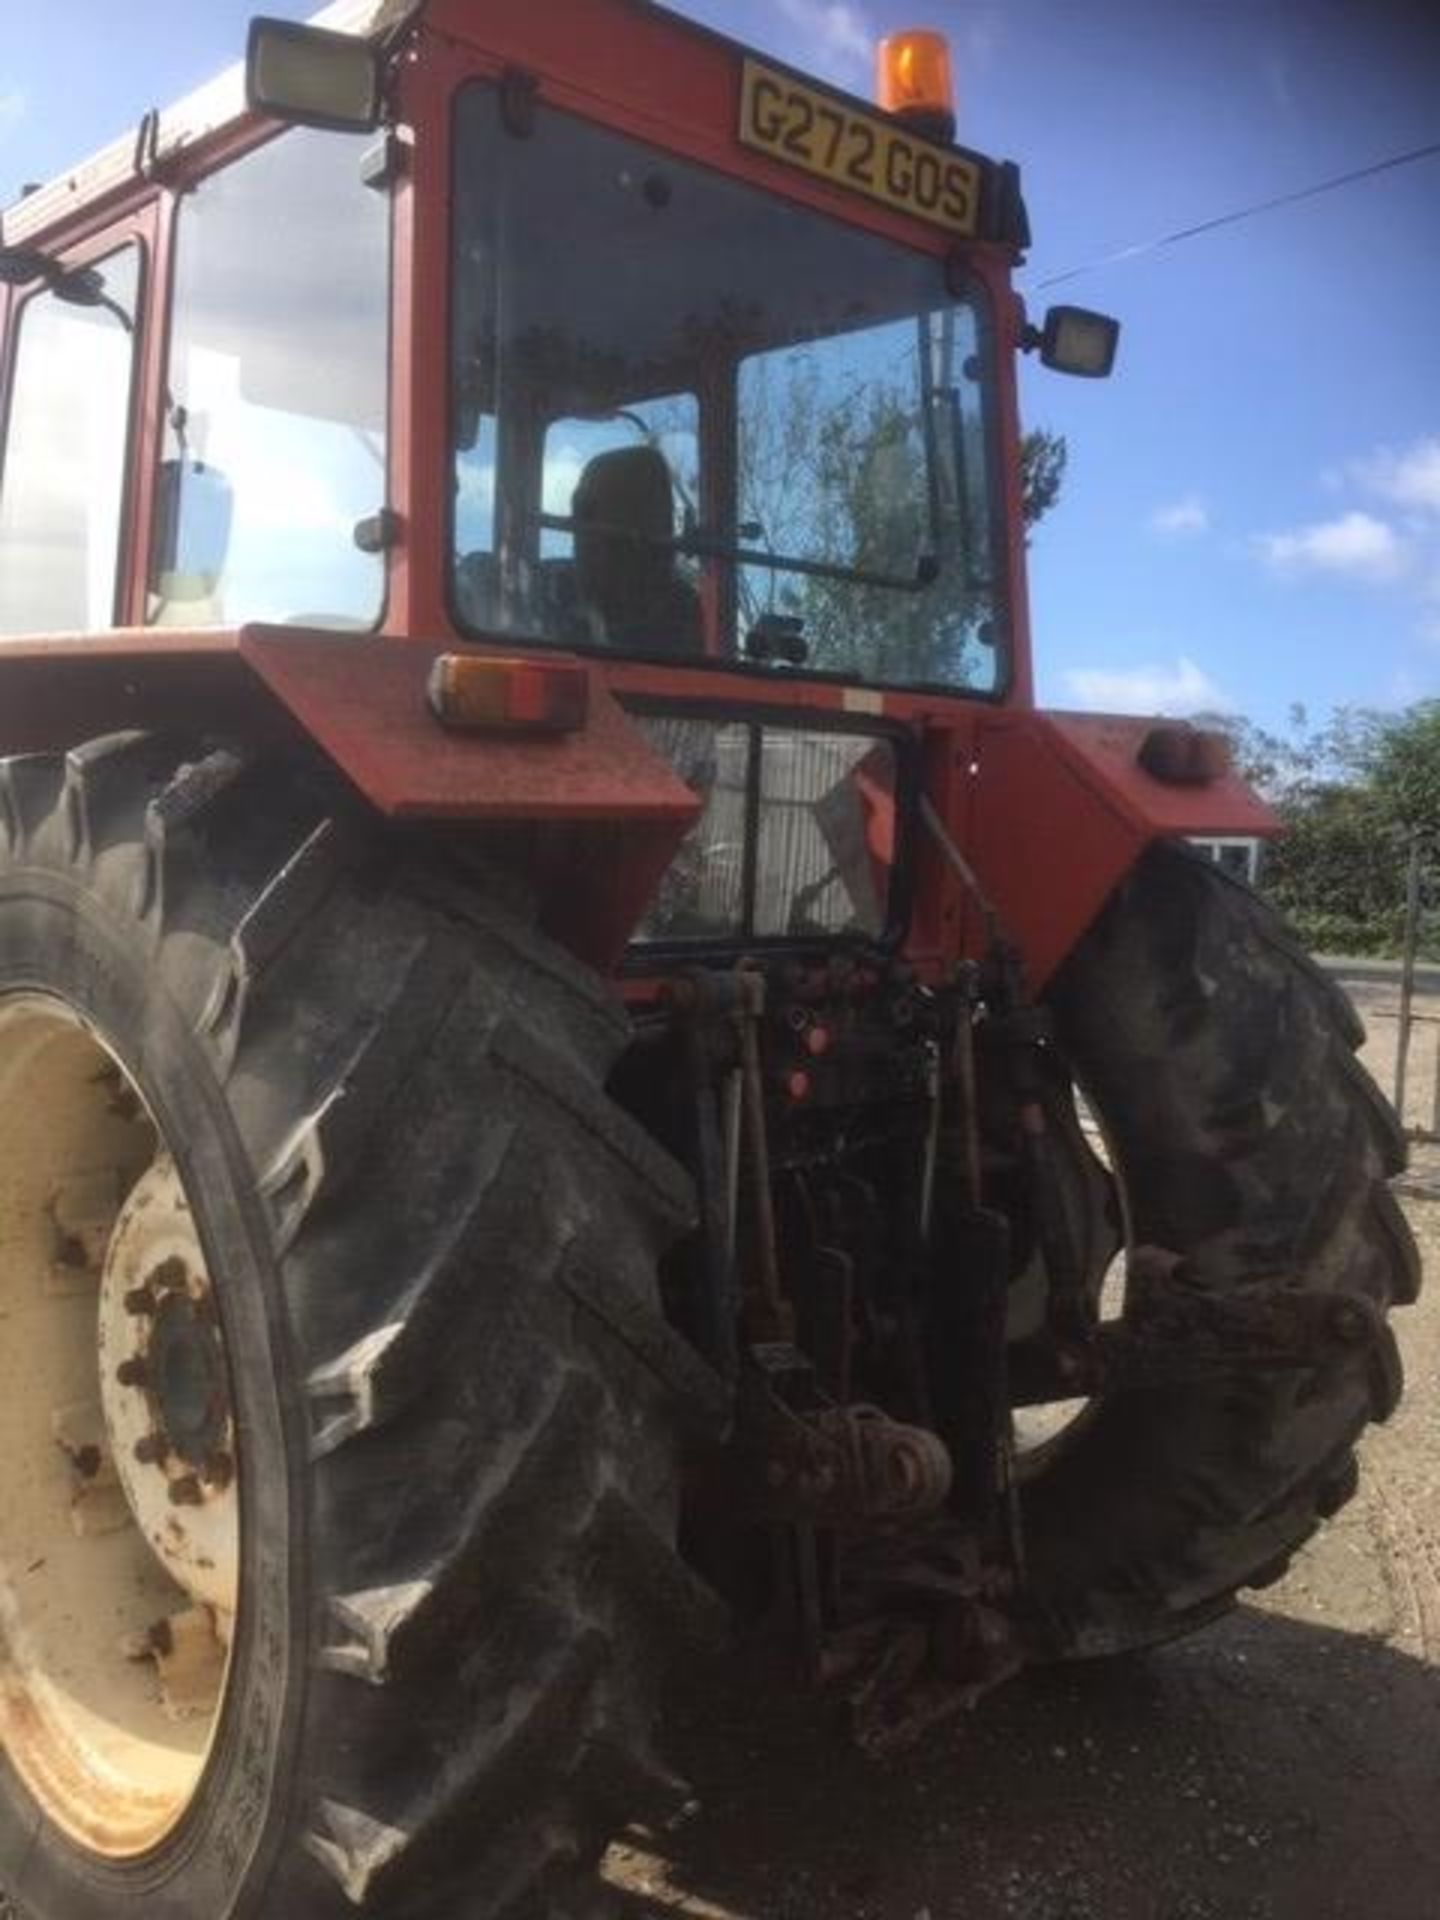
x=276, y=399
x=62, y=486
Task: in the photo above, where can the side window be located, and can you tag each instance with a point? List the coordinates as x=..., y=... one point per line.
x=276, y=401
x=62, y=486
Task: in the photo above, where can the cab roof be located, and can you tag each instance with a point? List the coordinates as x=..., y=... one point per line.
x=208, y=110
x=219, y=105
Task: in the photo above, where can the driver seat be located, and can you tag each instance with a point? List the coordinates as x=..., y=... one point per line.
x=631, y=595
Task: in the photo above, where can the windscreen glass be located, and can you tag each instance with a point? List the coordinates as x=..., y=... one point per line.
x=692, y=419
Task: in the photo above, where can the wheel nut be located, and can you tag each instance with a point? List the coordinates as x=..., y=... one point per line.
x=219, y=1470
x=152, y=1449
x=169, y=1276
x=133, y=1372
x=186, y=1491
x=140, y=1300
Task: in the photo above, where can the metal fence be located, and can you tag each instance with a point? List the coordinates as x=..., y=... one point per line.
x=1400, y=1002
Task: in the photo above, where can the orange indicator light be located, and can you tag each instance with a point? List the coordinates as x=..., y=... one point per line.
x=482, y=694
x=914, y=77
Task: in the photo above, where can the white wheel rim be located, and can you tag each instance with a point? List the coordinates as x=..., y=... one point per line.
x=118, y=1593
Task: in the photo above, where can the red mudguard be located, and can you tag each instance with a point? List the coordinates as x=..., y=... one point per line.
x=1051, y=810
x=1061, y=809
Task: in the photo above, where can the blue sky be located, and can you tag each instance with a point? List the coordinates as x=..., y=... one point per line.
x=1252, y=512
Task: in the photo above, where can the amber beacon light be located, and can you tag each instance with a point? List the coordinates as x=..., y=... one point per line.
x=916, y=83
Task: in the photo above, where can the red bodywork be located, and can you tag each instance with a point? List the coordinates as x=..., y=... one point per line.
x=1050, y=809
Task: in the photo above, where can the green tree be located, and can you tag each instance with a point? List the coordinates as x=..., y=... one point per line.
x=870, y=503
x=1043, y=459
x=1351, y=793
x=860, y=459
x=1401, y=757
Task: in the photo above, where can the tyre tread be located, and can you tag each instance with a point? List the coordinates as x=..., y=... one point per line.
x=1189, y=997
x=431, y=1762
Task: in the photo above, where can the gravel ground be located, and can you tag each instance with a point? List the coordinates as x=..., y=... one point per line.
x=1378, y=1002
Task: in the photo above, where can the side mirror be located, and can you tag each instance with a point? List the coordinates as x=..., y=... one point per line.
x=313, y=77
x=194, y=515
x=1075, y=340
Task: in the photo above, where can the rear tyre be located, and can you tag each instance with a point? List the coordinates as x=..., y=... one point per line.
x=1246, y=1137
x=432, y=1241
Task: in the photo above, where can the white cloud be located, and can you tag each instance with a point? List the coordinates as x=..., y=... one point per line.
x=1179, y=687
x=1397, y=544
x=12, y=108
x=1189, y=515
x=1411, y=477
x=837, y=34
x=1356, y=544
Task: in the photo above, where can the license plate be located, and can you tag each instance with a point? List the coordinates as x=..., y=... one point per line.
x=827, y=137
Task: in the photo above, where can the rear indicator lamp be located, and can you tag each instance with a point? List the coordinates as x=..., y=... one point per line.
x=481, y=694
x=1185, y=756
x=914, y=81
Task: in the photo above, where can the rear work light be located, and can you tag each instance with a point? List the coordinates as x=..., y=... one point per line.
x=914, y=81
x=313, y=77
x=1075, y=340
x=477, y=693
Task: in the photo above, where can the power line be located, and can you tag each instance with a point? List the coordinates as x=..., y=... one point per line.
x=1242, y=213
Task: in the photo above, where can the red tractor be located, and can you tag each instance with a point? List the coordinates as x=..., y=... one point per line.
x=577, y=1061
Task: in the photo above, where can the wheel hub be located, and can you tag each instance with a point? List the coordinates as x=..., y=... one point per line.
x=165, y=1391
x=187, y=1383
